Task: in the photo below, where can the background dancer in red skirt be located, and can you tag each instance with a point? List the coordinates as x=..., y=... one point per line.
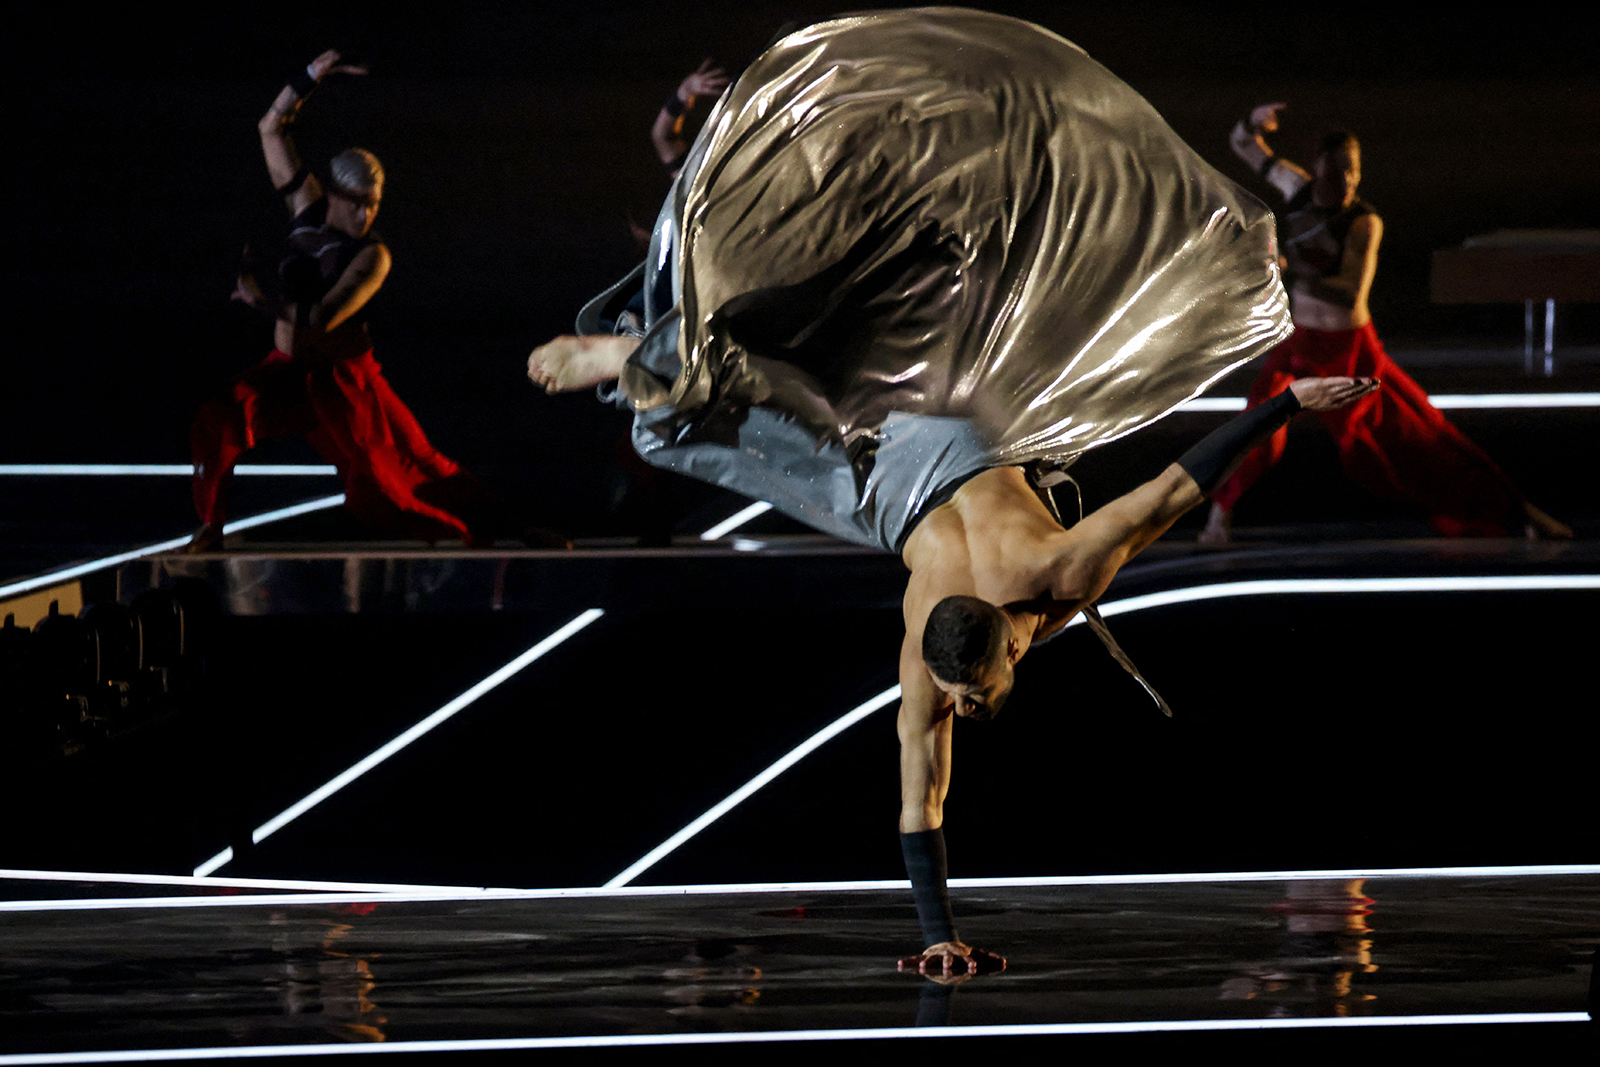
x=1393, y=443
x=321, y=382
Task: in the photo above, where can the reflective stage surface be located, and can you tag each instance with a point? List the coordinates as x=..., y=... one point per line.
x=208, y=972
x=1362, y=705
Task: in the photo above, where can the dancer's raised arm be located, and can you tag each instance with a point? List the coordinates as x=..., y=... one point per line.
x=290, y=178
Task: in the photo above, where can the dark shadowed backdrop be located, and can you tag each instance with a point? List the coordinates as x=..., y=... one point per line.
x=516, y=143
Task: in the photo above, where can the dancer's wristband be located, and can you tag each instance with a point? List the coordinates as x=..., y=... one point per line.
x=1211, y=461
x=303, y=82
x=929, y=867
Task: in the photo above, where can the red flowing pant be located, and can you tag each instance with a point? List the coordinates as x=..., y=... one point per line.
x=393, y=478
x=1393, y=442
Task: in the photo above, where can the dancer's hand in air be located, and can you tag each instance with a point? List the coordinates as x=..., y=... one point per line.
x=1265, y=117
x=328, y=63
x=1325, y=394
x=707, y=80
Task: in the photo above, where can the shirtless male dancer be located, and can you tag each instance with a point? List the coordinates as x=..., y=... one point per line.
x=1396, y=443
x=321, y=381
x=991, y=573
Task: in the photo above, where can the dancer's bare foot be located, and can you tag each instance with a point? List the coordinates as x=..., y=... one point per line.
x=206, y=539
x=1543, y=527
x=1219, y=527
x=571, y=363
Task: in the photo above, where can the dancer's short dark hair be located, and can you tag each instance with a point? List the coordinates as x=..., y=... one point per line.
x=962, y=633
x=1337, y=141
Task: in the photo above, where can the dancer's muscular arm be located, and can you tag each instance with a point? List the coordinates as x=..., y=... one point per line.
x=300, y=189
x=1095, y=549
x=1351, y=286
x=925, y=730
x=925, y=726
x=360, y=281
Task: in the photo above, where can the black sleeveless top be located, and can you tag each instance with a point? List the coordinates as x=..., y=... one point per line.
x=1312, y=238
x=318, y=255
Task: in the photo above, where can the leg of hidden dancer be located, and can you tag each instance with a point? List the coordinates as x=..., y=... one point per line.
x=875, y=299
x=1395, y=443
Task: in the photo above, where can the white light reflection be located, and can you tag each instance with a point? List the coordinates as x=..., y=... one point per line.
x=401, y=895
x=55, y=577
x=350, y=774
x=195, y=882
x=1442, y=401
x=880, y=1033
x=1495, y=583
x=717, y=811
x=736, y=520
x=147, y=470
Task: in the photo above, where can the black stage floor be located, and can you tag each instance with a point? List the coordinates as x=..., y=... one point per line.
x=1352, y=697
x=341, y=972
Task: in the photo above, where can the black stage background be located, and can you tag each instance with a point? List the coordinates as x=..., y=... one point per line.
x=516, y=142
x=1311, y=732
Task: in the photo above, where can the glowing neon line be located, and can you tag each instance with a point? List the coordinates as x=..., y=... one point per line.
x=1213, y=403
x=444, y=714
x=736, y=520
x=221, y=859
x=717, y=811
x=192, y=881
x=1458, y=401
x=877, y=1033
x=185, y=470
x=56, y=577
x=402, y=895
x=1442, y=401
x=1501, y=583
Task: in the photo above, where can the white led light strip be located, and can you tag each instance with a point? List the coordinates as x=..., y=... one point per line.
x=433, y=894
x=880, y=1033
x=736, y=520
x=56, y=577
x=1442, y=401
x=795, y=755
x=192, y=882
x=148, y=470
x=1265, y=587
x=350, y=774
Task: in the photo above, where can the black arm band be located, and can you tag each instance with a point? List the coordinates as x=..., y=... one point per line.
x=1211, y=461
x=295, y=181
x=302, y=314
x=1267, y=165
x=674, y=105
x=928, y=867
x=302, y=83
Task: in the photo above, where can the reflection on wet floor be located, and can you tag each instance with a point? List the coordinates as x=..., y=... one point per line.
x=321, y=980
x=1326, y=943
x=296, y=973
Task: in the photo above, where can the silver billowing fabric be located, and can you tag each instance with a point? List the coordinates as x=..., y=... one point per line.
x=911, y=245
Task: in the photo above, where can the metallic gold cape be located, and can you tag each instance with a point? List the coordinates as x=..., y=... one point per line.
x=911, y=245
